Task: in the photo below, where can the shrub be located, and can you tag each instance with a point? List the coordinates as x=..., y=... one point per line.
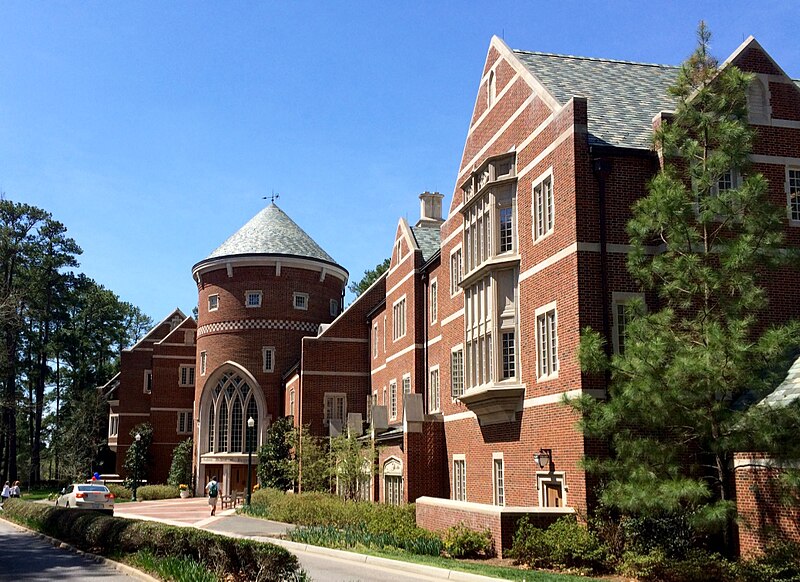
x=566, y=544
x=780, y=562
x=119, y=491
x=462, y=542
x=696, y=566
x=423, y=543
x=180, y=471
x=228, y=558
x=152, y=492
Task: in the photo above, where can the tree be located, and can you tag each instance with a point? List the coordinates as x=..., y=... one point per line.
x=275, y=456
x=180, y=471
x=137, y=456
x=674, y=414
x=353, y=463
x=370, y=276
x=311, y=456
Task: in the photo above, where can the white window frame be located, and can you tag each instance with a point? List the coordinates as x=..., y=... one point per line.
x=397, y=477
x=549, y=209
x=491, y=89
x=213, y=298
x=434, y=393
x=455, y=281
x=203, y=362
x=617, y=299
x=334, y=307
x=498, y=485
x=393, y=398
x=384, y=333
x=291, y=402
x=543, y=478
x=399, y=324
x=113, y=425
x=457, y=349
x=374, y=341
x=792, y=214
x=186, y=376
x=434, y=300
x=736, y=181
x=271, y=351
x=252, y=293
x=406, y=383
x=188, y=418
x=298, y=295
x=551, y=346
x=333, y=398
x=147, y=386
x=459, y=477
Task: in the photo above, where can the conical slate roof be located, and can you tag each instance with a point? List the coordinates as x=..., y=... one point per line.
x=271, y=232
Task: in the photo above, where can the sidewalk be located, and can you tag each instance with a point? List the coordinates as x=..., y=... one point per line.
x=195, y=513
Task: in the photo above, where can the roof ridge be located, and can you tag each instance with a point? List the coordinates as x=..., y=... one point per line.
x=596, y=59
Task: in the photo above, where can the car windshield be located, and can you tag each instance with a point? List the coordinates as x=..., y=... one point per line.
x=92, y=488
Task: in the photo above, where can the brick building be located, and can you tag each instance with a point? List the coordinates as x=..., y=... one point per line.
x=457, y=360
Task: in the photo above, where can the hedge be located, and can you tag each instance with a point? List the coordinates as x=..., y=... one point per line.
x=228, y=558
x=153, y=492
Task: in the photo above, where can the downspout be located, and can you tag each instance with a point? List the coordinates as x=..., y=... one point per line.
x=602, y=169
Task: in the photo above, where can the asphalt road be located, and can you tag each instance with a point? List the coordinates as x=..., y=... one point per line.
x=24, y=557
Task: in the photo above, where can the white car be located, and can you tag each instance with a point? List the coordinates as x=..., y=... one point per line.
x=86, y=496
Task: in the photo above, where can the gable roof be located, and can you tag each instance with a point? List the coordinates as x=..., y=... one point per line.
x=787, y=391
x=428, y=239
x=271, y=232
x=152, y=335
x=623, y=97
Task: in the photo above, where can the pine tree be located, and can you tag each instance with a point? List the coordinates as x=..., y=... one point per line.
x=677, y=401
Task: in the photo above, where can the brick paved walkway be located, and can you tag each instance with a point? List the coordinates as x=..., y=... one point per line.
x=192, y=511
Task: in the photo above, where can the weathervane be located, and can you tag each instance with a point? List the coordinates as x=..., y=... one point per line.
x=273, y=197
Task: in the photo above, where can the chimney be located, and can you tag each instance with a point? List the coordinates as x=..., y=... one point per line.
x=430, y=209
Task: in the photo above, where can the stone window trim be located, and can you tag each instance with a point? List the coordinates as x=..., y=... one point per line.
x=291, y=402
x=393, y=400
x=434, y=390
x=793, y=195
x=457, y=376
x=384, y=333
x=759, y=109
x=456, y=270
x=335, y=404
x=498, y=479
x=300, y=301
x=252, y=299
x=491, y=89
x=407, y=383
x=459, y=477
x=147, y=386
x=203, y=362
x=186, y=375
x=558, y=479
x=268, y=359
x=550, y=348
x=399, y=319
x=547, y=213
x=374, y=341
x=393, y=481
x=619, y=298
x=184, y=422
x=334, y=307
x=113, y=425
x=434, y=300
x=213, y=302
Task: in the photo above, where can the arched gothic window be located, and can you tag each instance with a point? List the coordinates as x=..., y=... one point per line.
x=491, y=90
x=229, y=399
x=757, y=102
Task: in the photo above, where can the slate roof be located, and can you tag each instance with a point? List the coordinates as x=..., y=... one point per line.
x=428, y=239
x=788, y=390
x=623, y=97
x=271, y=232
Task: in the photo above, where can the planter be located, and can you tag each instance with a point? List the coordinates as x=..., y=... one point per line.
x=185, y=494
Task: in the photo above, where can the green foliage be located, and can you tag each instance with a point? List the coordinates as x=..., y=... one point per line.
x=461, y=541
x=180, y=471
x=312, y=452
x=566, y=544
x=780, y=563
x=275, y=463
x=370, y=276
x=137, y=455
x=423, y=544
x=171, y=568
x=120, y=492
x=353, y=464
x=154, y=492
x=675, y=417
x=696, y=566
x=227, y=558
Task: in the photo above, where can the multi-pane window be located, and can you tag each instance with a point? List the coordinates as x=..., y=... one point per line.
x=268, y=357
x=499, y=481
x=334, y=307
x=300, y=301
x=253, y=299
x=457, y=373
x=547, y=342
x=186, y=375
x=434, y=303
x=727, y=181
x=509, y=361
x=231, y=396
x=478, y=324
x=184, y=422
x=291, y=402
x=375, y=341
x=393, y=399
x=477, y=233
x=506, y=233
x=213, y=302
x=542, y=207
x=393, y=489
x=113, y=425
x=793, y=186
x=407, y=384
x=335, y=407
x=399, y=319
x=455, y=271
x=148, y=381
x=434, y=403
x=237, y=422
x=460, y=479
x=203, y=363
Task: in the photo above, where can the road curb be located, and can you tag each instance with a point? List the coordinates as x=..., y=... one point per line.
x=124, y=568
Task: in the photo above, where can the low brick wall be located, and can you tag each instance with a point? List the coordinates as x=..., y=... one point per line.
x=437, y=514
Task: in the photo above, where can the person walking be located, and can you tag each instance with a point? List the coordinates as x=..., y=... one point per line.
x=15, y=490
x=213, y=492
x=5, y=494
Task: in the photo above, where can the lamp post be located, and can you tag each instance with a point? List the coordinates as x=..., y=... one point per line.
x=138, y=438
x=250, y=424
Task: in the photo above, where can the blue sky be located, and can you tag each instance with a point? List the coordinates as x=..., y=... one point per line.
x=154, y=129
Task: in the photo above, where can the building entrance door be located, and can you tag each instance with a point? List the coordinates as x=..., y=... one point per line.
x=239, y=477
x=208, y=472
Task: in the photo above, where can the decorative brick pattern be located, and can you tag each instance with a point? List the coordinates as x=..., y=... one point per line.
x=280, y=324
